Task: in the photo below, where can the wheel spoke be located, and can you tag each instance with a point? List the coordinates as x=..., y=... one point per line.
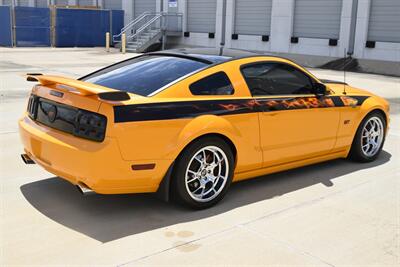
x=365, y=133
x=217, y=163
x=193, y=179
x=192, y=172
x=200, y=161
x=373, y=143
x=208, y=191
x=200, y=187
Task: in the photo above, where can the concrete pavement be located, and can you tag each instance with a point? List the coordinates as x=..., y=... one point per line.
x=337, y=213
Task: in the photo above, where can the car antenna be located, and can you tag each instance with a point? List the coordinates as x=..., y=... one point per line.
x=344, y=72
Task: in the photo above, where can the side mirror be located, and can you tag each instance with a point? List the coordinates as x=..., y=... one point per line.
x=319, y=89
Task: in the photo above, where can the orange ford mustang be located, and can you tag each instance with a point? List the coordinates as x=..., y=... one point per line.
x=187, y=124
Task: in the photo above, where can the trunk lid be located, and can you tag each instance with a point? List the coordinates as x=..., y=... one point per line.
x=73, y=106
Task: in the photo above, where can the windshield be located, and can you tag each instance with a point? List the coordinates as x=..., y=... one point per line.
x=144, y=75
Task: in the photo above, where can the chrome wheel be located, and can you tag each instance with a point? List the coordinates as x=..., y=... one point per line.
x=207, y=174
x=372, y=136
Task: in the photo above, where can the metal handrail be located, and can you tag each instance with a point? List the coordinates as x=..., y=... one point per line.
x=133, y=23
x=157, y=16
x=145, y=26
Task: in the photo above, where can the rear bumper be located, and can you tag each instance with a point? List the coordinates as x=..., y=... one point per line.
x=99, y=166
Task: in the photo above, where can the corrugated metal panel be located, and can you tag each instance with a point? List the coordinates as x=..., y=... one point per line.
x=22, y=3
x=141, y=6
x=85, y=2
x=7, y=2
x=61, y=2
x=201, y=15
x=112, y=4
x=317, y=18
x=253, y=17
x=384, y=21
x=40, y=3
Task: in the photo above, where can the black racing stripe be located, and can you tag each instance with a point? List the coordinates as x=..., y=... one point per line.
x=337, y=101
x=360, y=99
x=180, y=110
x=190, y=109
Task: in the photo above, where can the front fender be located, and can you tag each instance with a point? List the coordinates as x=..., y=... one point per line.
x=351, y=118
x=370, y=104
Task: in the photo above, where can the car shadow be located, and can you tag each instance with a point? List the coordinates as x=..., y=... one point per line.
x=109, y=217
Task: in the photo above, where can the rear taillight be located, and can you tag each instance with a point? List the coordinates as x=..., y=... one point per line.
x=69, y=119
x=90, y=125
x=32, y=106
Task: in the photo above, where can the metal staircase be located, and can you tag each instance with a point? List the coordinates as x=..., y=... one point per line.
x=148, y=29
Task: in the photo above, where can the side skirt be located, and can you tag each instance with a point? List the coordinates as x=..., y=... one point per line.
x=287, y=166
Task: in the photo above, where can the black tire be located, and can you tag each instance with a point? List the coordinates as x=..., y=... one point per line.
x=356, y=152
x=179, y=190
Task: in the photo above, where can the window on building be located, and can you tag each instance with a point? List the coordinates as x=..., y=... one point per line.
x=276, y=79
x=215, y=84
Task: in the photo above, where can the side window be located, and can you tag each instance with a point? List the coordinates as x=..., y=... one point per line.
x=215, y=84
x=276, y=79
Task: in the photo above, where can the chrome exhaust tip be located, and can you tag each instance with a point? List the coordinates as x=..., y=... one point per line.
x=85, y=190
x=26, y=159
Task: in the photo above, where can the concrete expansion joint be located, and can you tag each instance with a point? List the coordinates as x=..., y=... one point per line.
x=306, y=203
x=177, y=246
x=285, y=244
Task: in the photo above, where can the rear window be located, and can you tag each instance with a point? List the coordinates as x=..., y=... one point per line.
x=144, y=75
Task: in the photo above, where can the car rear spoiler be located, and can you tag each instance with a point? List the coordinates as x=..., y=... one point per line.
x=78, y=87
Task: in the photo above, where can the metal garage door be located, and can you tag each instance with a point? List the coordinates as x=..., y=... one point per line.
x=5, y=2
x=85, y=2
x=384, y=21
x=112, y=4
x=201, y=15
x=253, y=17
x=317, y=19
x=22, y=3
x=141, y=6
x=40, y=3
x=61, y=2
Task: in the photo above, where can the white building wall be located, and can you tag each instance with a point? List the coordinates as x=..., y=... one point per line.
x=281, y=25
x=200, y=39
x=282, y=30
x=382, y=50
x=127, y=6
x=250, y=42
x=320, y=47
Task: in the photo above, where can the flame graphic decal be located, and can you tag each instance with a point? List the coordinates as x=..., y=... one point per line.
x=349, y=101
x=220, y=107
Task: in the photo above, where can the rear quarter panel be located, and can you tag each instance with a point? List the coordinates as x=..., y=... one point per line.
x=165, y=139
